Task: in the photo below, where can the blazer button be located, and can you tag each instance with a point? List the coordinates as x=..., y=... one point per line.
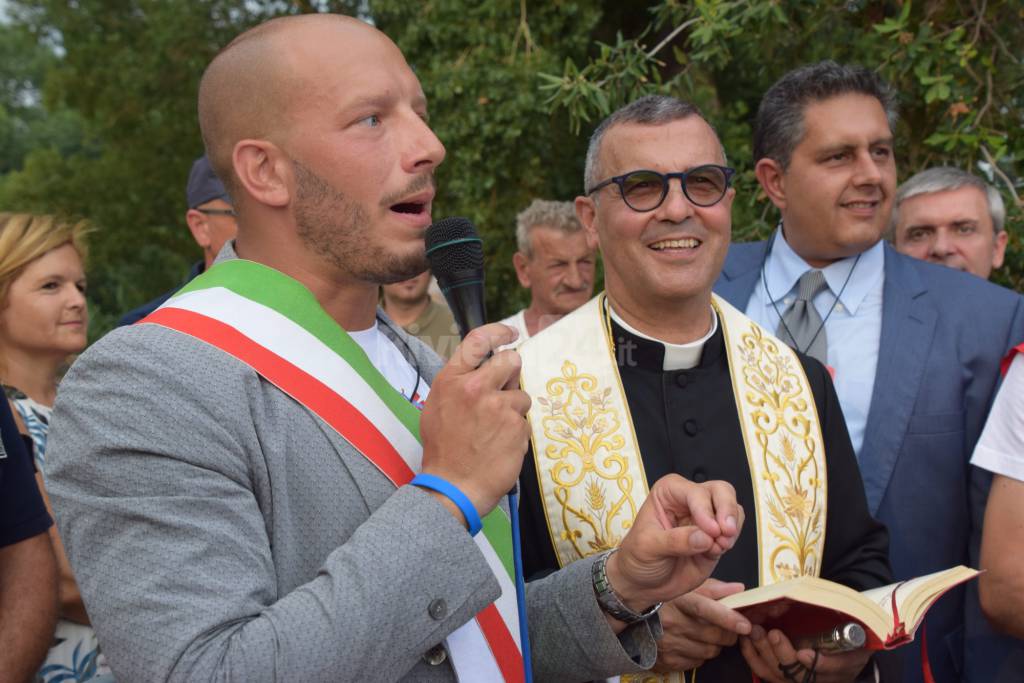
x=437, y=610
x=435, y=655
x=700, y=476
x=691, y=428
x=681, y=380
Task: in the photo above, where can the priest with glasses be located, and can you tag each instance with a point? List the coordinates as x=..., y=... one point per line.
x=657, y=376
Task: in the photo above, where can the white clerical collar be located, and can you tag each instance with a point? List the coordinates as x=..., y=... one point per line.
x=677, y=356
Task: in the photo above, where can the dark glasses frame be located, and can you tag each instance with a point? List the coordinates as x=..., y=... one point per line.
x=666, y=179
x=219, y=212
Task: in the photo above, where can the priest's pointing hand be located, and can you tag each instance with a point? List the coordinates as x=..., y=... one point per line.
x=680, y=532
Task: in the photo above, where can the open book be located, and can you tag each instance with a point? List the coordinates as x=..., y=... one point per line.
x=808, y=605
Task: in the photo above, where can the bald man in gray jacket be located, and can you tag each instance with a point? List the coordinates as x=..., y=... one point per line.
x=220, y=524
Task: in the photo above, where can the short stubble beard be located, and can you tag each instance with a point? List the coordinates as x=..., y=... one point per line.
x=334, y=228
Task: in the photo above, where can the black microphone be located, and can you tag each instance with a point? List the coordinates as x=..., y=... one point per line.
x=456, y=256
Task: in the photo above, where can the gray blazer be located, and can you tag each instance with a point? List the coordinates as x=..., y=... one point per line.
x=220, y=531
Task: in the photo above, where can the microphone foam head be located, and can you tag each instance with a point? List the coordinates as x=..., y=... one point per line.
x=452, y=245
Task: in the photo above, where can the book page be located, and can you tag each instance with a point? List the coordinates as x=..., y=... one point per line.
x=882, y=596
x=914, y=597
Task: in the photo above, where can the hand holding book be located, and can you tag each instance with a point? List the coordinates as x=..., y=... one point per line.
x=774, y=659
x=809, y=605
x=696, y=626
x=795, y=611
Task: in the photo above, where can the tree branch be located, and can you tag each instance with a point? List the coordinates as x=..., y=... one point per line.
x=981, y=18
x=1002, y=176
x=523, y=29
x=671, y=36
x=1001, y=43
x=988, y=99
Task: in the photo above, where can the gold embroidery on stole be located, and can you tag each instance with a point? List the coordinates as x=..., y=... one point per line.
x=590, y=471
x=784, y=445
x=585, y=444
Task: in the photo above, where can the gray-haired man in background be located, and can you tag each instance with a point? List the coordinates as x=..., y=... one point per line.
x=948, y=216
x=554, y=262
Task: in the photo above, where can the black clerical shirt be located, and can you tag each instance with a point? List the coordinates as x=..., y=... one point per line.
x=686, y=422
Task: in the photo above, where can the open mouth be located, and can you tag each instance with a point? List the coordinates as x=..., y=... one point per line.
x=413, y=208
x=685, y=243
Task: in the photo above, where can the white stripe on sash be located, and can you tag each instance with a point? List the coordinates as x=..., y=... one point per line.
x=471, y=655
x=285, y=338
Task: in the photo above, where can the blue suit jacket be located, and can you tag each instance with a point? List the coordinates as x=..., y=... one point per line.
x=944, y=333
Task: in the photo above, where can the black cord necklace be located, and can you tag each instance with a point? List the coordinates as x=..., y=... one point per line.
x=410, y=355
x=764, y=280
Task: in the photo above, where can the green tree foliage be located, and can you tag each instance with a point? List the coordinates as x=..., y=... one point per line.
x=478, y=62
x=957, y=66
x=130, y=69
x=97, y=102
x=25, y=124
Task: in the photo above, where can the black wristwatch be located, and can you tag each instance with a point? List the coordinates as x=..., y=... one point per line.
x=609, y=601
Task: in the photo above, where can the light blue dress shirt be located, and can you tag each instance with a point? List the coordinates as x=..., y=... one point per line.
x=853, y=326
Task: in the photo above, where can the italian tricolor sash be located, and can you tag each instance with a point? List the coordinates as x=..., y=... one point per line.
x=274, y=325
x=589, y=469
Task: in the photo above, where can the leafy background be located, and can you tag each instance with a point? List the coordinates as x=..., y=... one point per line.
x=97, y=103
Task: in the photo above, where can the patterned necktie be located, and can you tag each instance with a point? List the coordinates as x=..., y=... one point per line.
x=801, y=326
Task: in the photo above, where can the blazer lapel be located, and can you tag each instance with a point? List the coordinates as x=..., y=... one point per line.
x=739, y=273
x=908, y=323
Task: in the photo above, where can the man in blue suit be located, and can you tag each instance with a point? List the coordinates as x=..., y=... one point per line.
x=914, y=348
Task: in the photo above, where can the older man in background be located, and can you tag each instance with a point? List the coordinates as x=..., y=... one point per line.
x=915, y=347
x=554, y=262
x=948, y=216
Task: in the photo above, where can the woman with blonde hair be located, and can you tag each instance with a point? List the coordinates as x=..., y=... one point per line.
x=43, y=321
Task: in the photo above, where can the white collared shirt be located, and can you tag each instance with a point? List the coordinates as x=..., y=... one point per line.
x=853, y=327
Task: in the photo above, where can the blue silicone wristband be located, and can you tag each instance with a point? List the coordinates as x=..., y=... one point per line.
x=452, y=493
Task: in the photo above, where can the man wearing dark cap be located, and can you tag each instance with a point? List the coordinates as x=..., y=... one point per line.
x=210, y=218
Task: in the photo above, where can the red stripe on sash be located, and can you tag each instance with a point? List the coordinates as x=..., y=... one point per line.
x=345, y=419
x=504, y=648
x=295, y=382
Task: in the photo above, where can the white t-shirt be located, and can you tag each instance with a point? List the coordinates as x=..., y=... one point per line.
x=1001, y=446
x=518, y=321
x=386, y=357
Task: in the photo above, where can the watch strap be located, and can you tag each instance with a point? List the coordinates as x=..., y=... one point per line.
x=610, y=603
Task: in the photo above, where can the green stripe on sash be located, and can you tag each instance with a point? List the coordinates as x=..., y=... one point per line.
x=293, y=300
